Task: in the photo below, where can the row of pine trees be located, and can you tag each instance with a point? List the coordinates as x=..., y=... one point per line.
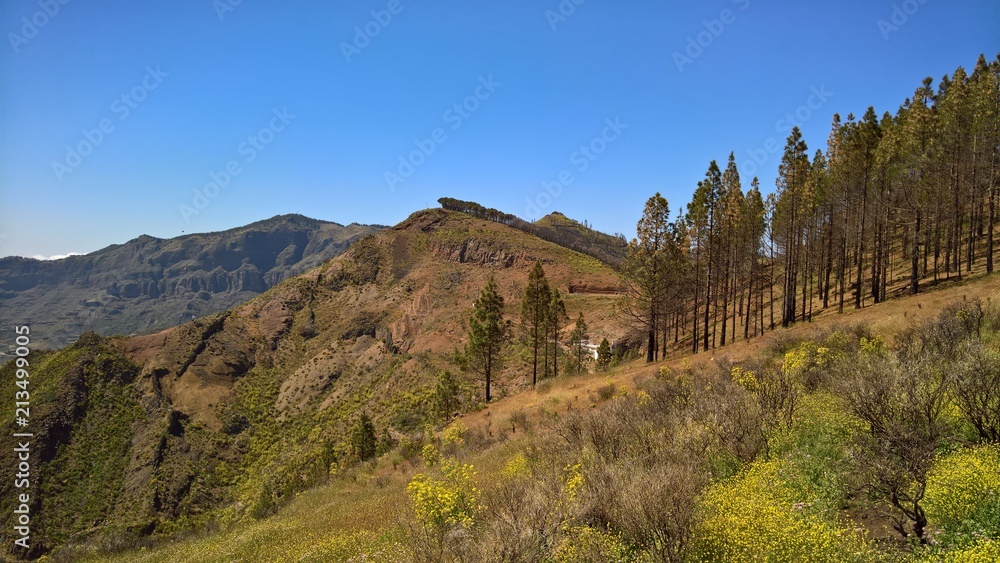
x=896, y=202
x=543, y=316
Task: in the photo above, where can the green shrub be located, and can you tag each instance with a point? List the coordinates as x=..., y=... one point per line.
x=606, y=391
x=445, y=396
x=363, y=442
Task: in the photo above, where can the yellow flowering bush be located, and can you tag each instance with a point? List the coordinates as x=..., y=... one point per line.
x=643, y=398
x=963, y=491
x=516, y=468
x=805, y=365
x=454, y=435
x=584, y=544
x=756, y=516
x=799, y=359
x=834, y=346
x=872, y=346
x=983, y=551
x=572, y=481
x=745, y=378
x=430, y=455
x=809, y=362
x=448, y=502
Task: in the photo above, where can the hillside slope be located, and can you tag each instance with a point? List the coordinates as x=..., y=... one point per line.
x=148, y=283
x=234, y=413
x=359, y=514
x=578, y=235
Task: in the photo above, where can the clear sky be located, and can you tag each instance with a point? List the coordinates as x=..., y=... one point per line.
x=117, y=117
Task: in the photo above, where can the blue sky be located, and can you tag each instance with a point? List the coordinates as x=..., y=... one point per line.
x=126, y=118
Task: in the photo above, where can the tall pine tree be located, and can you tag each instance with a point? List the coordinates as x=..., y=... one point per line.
x=489, y=335
x=535, y=314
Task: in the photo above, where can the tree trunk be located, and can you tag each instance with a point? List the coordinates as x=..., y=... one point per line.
x=989, y=234
x=915, y=259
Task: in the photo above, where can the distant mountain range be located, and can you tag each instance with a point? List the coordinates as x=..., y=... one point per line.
x=149, y=283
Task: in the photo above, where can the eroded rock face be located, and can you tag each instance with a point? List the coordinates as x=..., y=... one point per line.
x=478, y=252
x=195, y=366
x=407, y=326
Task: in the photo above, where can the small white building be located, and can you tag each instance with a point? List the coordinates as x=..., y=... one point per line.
x=592, y=348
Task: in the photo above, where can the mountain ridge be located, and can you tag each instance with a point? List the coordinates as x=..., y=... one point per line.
x=149, y=283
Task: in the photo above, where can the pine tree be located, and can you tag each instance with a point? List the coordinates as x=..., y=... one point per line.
x=705, y=228
x=489, y=335
x=362, y=442
x=577, y=337
x=731, y=208
x=445, y=396
x=790, y=213
x=646, y=270
x=890, y=194
x=753, y=229
x=603, y=355
x=556, y=317
x=535, y=314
